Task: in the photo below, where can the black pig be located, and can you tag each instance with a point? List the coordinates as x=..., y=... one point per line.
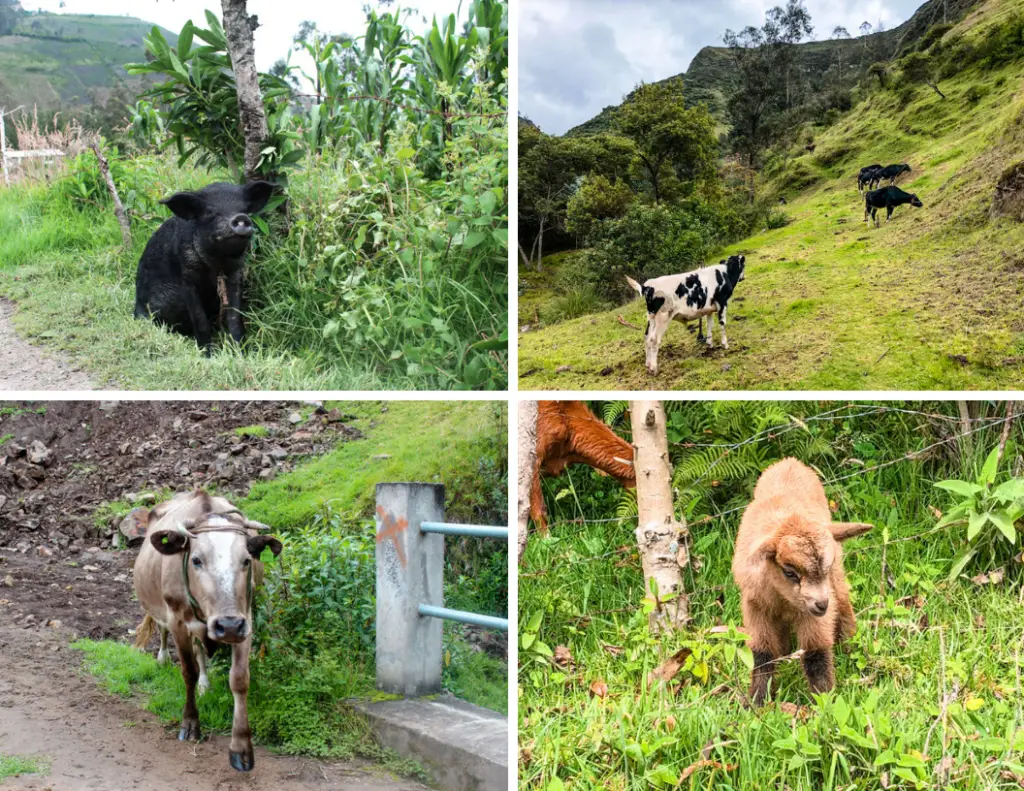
x=206, y=239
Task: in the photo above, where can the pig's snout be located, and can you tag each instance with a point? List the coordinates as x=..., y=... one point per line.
x=241, y=225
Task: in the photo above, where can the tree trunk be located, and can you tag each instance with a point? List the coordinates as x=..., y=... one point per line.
x=935, y=88
x=540, y=246
x=527, y=444
x=965, y=426
x=238, y=28
x=122, y=217
x=661, y=539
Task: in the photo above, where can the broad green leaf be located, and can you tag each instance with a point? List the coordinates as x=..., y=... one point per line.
x=975, y=522
x=535, y=622
x=473, y=239
x=1012, y=489
x=988, y=470
x=185, y=40
x=960, y=562
x=1000, y=520
x=963, y=488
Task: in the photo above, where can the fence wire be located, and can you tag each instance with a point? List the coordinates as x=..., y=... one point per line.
x=777, y=430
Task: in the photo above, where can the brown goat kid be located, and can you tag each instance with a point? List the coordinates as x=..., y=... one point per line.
x=789, y=567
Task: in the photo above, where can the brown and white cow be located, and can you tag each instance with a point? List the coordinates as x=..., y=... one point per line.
x=195, y=577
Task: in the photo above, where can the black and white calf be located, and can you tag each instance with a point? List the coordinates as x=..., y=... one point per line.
x=692, y=295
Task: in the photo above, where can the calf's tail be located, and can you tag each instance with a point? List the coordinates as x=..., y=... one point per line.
x=144, y=632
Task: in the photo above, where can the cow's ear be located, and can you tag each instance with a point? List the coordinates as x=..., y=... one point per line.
x=257, y=193
x=169, y=542
x=256, y=545
x=844, y=530
x=187, y=205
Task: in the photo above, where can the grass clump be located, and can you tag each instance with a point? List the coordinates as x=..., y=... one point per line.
x=16, y=765
x=252, y=431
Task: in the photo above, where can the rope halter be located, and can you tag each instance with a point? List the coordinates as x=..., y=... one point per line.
x=221, y=525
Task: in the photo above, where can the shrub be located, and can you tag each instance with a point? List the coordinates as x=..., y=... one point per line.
x=777, y=219
x=597, y=199
x=573, y=304
x=975, y=94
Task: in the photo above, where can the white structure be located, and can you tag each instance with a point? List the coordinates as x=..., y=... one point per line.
x=14, y=156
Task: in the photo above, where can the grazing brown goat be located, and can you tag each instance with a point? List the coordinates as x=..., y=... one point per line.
x=789, y=566
x=569, y=433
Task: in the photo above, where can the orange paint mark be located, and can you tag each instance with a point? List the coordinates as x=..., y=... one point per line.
x=392, y=529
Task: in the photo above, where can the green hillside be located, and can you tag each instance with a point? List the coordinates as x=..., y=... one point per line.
x=930, y=301
x=58, y=60
x=710, y=74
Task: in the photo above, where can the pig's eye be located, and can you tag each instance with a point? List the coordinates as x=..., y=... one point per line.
x=197, y=563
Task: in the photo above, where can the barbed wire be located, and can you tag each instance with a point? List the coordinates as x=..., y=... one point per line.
x=989, y=422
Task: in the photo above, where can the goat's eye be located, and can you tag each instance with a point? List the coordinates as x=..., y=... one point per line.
x=197, y=563
x=791, y=575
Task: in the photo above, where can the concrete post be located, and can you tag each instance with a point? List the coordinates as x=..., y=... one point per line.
x=410, y=572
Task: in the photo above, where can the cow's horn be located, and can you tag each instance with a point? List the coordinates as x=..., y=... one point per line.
x=182, y=527
x=254, y=525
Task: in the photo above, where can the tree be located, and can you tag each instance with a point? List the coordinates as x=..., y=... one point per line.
x=10, y=12
x=840, y=34
x=765, y=58
x=662, y=540
x=920, y=67
x=238, y=29
x=597, y=199
x=879, y=70
x=527, y=442
x=666, y=134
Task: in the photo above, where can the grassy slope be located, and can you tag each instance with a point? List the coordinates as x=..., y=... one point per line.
x=426, y=441
x=927, y=637
x=830, y=304
x=45, y=72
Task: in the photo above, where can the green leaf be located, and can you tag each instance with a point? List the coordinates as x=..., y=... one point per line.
x=488, y=202
x=975, y=522
x=963, y=488
x=406, y=153
x=185, y=40
x=1012, y=489
x=1000, y=520
x=988, y=470
x=473, y=239
x=885, y=758
x=961, y=561
x=535, y=622
x=501, y=236
x=555, y=784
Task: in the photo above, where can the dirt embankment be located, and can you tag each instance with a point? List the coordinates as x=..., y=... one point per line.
x=26, y=367
x=62, y=578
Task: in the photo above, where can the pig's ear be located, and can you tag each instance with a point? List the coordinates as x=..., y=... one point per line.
x=186, y=205
x=257, y=193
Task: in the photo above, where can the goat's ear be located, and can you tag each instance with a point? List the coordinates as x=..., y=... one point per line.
x=765, y=549
x=636, y=286
x=844, y=530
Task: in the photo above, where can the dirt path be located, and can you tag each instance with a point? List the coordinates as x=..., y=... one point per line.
x=27, y=367
x=50, y=708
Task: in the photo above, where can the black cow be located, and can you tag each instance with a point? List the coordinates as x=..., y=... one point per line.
x=893, y=172
x=205, y=240
x=888, y=198
x=868, y=176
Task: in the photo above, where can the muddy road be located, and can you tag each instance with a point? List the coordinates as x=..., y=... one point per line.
x=27, y=367
x=62, y=577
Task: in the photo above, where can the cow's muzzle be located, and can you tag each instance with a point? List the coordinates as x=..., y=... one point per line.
x=228, y=628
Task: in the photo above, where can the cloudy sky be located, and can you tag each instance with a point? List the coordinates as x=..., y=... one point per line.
x=579, y=56
x=278, y=20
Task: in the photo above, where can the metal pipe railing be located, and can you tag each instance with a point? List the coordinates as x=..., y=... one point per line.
x=475, y=531
x=472, y=618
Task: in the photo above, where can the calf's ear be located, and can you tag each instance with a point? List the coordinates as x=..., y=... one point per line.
x=169, y=542
x=844, y=530
x=764, y=549
x=256, y=545
x=187, y=205
x=257, y=193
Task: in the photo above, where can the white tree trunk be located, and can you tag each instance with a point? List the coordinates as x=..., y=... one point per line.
x=661, y=539
x=238, y=28
x=527, y=444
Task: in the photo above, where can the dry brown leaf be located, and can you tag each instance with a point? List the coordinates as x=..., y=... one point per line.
x=718, y=629
x=563, y=656
x=599, y=689
x=705, y=751
x=669, y=722
x=944, y=768
x=667, y=670
x=614, y=650
x=935, y=512
x=833, y=506
x=996, y=576
x=705, y=764
x=979, y=621
x=1006, y=774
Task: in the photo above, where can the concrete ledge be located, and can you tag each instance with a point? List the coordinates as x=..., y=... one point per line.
x=464, y=747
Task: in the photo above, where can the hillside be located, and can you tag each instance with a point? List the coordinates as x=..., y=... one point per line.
x=831, y=304
x=710, y=73
x=57, y=60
